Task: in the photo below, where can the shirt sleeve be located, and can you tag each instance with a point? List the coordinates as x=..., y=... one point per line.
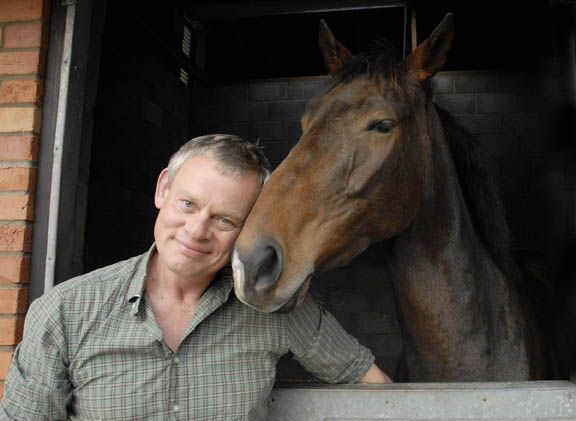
x=38, y=386
x=323, y=347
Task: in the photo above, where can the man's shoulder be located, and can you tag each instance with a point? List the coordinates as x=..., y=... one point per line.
x=107, y=274
x=95, y=285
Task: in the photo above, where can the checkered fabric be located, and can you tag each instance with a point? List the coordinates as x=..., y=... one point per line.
x=93, y=350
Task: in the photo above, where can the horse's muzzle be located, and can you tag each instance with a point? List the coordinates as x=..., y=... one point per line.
x=256, y=275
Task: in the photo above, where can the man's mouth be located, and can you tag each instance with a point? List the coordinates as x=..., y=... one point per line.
x=192, y=249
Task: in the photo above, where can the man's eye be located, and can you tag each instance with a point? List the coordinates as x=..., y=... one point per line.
x=187, y=204
x=381, y=126
x=225, y=223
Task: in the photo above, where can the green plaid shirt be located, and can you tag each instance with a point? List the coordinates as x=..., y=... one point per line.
x=93, y=350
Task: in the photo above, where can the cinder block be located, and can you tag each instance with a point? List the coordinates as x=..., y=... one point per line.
x=307, y=88
x=443, y=83
x=232, y=93
x=293, y=130
x=203, y=115
x=483, y=123
x=267, y=91
x=474, y=81
x=276, y=151
x=252, y=111
x=286, y=110
x=497, y=103
x=268, y=130
x=457, y=103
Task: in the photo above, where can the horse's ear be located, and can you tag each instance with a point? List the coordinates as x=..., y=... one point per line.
x=335, y=54
x=429, y=57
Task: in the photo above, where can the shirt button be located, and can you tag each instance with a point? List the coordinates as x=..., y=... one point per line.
x=176, y=360
x=176, y=408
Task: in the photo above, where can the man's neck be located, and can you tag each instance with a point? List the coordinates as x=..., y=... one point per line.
x=162, y=282
x=174, y=300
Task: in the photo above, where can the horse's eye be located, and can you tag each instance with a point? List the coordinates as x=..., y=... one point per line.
x=381, y=126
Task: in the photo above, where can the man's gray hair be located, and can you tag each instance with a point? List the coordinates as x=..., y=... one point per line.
x=233, y=154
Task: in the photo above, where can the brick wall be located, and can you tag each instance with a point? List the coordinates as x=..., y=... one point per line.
x=513, y=114
x=22, y=42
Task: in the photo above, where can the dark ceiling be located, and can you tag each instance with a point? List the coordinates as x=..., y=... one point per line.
x=278, y=38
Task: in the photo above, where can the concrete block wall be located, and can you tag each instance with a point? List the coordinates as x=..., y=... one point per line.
x=141, y=118
x=22, y=59
x=512, y=114
x=264, y=110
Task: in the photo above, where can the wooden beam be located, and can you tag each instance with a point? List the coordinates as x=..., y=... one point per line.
x=257, y=8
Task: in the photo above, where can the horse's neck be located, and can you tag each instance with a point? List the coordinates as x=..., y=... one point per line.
x=459, y=315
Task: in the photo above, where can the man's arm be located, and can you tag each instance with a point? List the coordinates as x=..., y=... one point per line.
x=375, y=375
x=37, y=386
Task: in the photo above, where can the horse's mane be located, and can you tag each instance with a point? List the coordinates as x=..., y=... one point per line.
x=481, y=194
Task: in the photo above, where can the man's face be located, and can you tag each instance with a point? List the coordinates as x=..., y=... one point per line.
x=201, y=214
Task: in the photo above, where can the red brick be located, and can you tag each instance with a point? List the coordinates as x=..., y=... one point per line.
x=20, y=119
x=17, y=179
x=15, y=269
x=21, y=91
x=25, y=35
x=13, y=300
x=5, y=361
x=19, y=207
x=15, y=238
x=18, y=148
x=17, y=10
x=19, y=62
x=11, y=331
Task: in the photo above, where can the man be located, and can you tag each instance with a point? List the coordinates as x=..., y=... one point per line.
x=160, y=336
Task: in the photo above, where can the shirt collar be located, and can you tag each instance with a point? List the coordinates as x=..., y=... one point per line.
x=219, y=289
x=138, y=280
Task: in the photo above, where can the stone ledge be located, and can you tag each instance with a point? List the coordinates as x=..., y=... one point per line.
x=526, y=401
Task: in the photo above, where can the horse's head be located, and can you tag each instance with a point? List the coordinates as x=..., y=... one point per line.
x=356, y=176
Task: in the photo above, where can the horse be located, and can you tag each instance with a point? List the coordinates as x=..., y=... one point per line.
x=379, y=161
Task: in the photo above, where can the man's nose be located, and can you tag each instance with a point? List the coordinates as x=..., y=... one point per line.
x=198, y=226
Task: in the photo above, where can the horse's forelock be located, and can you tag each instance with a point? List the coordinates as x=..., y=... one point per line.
x=380, y=61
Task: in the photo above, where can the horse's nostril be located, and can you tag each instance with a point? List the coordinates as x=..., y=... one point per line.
x=267, y=267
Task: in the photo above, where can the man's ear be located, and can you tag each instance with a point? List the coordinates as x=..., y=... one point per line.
x=162, y=188
x=429, y=57
x=335, y=54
